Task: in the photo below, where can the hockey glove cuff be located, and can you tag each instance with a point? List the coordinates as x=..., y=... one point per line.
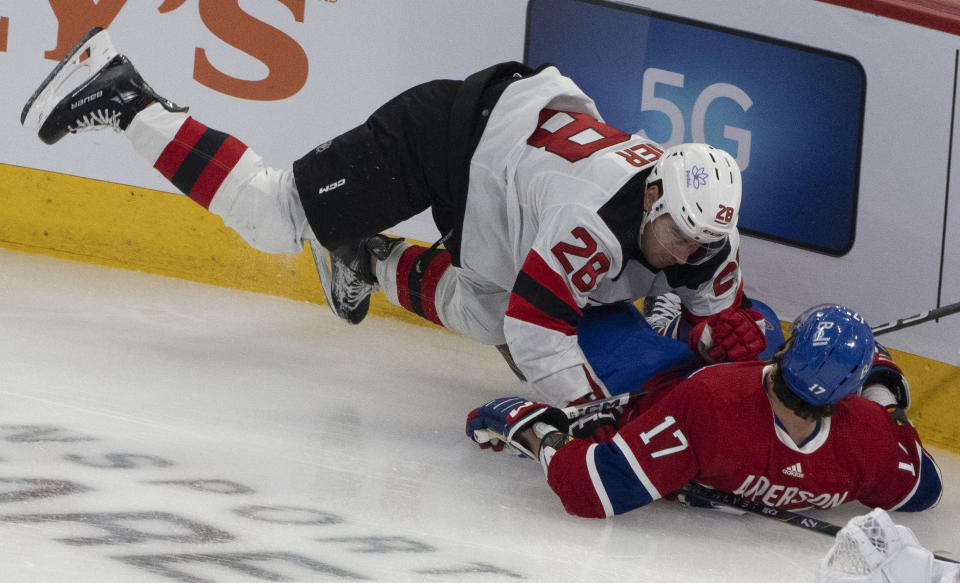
x=885, y=383
x=501, y=420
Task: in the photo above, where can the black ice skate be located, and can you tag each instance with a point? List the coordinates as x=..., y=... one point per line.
x=92, y=88
x=346, y=276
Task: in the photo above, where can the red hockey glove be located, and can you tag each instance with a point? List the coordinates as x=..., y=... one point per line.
x=730, y=336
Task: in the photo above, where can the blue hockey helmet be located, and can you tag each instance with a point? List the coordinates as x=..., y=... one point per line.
x=831, y=354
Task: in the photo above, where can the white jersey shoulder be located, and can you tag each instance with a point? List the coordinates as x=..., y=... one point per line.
x=545, y=147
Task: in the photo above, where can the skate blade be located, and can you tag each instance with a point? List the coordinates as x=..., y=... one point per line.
x=322, y=260
x=88, y=56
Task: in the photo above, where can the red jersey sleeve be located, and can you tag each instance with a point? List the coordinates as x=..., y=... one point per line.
x=649, y=457
x=897, y=472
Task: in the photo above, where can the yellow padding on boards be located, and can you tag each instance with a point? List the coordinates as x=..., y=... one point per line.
x=121, y=226
x=157, y=232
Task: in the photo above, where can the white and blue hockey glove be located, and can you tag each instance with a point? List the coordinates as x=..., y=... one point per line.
x=499, y=422
x=886, y=385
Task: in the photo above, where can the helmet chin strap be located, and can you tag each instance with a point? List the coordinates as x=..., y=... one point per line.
x=658, y=208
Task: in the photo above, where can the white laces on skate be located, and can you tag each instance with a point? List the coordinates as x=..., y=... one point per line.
x=97, y=120
x=349, y=288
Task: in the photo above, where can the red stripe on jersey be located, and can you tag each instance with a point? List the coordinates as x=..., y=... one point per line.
x=523, y=310
x=595, y=386
x=217, y=170
x=541, y=297
x=179, y=147
x=537, y=268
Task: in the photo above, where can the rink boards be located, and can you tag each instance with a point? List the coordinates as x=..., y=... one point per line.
x=156, y=232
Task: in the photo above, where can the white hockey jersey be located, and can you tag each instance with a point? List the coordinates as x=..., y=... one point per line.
x=553, y=211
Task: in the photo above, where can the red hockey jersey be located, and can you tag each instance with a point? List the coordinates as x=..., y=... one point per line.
x=716, y=427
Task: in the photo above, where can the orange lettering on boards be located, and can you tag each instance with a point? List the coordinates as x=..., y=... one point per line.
x=4, y=27
x=76, y=17
x=170, y=6
x=285, y=59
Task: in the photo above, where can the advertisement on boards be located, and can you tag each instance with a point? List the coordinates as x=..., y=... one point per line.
x=281, y=75
x=782, y=85
x=791, y=115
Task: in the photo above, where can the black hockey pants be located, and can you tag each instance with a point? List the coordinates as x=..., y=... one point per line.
x=413, y=153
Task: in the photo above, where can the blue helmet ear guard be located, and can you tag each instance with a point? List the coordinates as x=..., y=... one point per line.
x=830, y=353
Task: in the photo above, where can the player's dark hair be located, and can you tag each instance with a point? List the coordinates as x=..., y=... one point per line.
x=790, y=399
x=643, y=191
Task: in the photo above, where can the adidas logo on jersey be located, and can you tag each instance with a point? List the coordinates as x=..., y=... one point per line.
x=794, y=470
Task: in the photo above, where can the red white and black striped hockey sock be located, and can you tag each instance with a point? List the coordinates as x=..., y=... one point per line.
x=418, y=274
x=194, y=158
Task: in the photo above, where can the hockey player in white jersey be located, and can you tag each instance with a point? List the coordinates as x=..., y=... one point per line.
x=544, y=209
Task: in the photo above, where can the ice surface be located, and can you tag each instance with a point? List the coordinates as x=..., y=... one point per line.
x=157, y=430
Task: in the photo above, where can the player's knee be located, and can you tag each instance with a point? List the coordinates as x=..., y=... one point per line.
x=261, y=204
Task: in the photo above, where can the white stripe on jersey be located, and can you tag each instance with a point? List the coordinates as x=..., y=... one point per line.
x=635, y=466
x=598, y=483
x=919, y=472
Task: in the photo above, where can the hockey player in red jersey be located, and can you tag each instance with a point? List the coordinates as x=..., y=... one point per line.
x=791, y=432
x=544, y=209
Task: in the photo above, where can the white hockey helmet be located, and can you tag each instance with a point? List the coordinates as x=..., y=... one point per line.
x=700, y=188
